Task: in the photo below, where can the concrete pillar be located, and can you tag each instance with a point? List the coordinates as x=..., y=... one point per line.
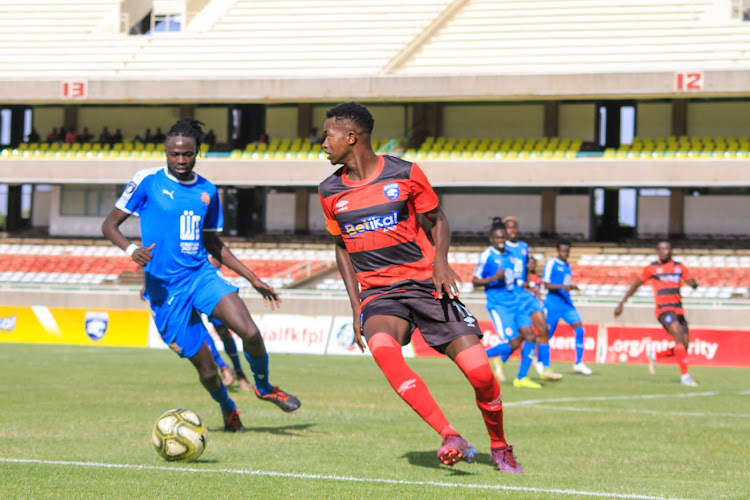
x=70, y=117
x=549, y=197
x=551, y=118
x=187, y=111
x=305, y=120
x=679, y=117
x=301, y=210
x=676, y=213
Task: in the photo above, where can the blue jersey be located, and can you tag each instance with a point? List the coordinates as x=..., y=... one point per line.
x=173, y=215
x=557, y=272
x=520, y=253
x=490, y=260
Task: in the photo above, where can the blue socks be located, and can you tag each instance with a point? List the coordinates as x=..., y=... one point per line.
x=502, y=350
x=222, y=397
x=527, y=356
x=579, y=344
x=231, y=349
x=214, y=352
x=259, y=367
x=543, y=354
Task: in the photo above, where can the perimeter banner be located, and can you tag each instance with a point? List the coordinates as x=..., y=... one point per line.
x=708, y=346
x=54, y=325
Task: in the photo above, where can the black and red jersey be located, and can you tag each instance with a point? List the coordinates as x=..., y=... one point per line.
x=665, y=280
x=377, y=218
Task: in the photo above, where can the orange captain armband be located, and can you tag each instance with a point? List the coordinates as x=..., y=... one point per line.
x=333, y=227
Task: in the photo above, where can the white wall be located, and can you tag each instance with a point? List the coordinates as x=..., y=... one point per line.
x=717, y=214
x=41, y=207
x=653, y=215
x=577, y=121
x=281, y=122
x=474, y=212
x=493, y=120
x=280, y=212
x=572, y=214
x=719, y=118
x=316, y=220
x=60, y=225
x=653, y=119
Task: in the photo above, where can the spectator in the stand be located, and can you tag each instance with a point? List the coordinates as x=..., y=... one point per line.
x=210, y=138
x=53, y=136
x=85, y=136
x=71, y=136
x=145, y=139
x=263, y=138
x=117, y=136
x=158, y=137
x=33, y=136
x=105, y=137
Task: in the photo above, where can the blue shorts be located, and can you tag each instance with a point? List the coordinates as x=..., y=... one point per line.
x=527, y=302
x=508, y=319
x=557, y=311
x=177, y=307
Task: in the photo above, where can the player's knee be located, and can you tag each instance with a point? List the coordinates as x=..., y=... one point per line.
x=249, y=333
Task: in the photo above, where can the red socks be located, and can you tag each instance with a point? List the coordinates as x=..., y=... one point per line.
x=387, y=353
x=475, y=365
x=679, y=352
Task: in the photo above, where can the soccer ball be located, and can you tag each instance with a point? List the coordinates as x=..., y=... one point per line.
x=623, y=357
x=179, y=434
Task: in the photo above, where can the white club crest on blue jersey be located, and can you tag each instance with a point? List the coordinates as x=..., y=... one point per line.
x=392, y=191
x=190, y=226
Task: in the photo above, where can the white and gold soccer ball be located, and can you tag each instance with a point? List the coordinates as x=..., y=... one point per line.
x=179, y=434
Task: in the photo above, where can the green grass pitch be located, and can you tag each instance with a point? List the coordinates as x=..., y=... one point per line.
x=75, y=422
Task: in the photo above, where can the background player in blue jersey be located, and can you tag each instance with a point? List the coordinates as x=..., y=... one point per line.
x=557, y=279
x=495, y=272
x=180, y=217
x=531, y=305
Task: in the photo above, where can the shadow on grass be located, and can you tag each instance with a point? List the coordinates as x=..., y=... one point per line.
x=429, y=460
x=283, y=430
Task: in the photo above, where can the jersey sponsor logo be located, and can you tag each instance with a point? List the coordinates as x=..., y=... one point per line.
x=168, y=193
x=205, y=198
x=190, y=225
x=130, y=187
x=341, y=206
x=392, y=191
x=406, y=385
x=372, y=223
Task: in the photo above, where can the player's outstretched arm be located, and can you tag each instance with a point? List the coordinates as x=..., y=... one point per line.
x=633, y=287
x=111, y=231
x=349, y=275
x=221, y=252
x=445, y=278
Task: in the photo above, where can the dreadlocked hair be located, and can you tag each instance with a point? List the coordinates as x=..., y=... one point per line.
x=188, y=127
x=355, y=113
x=497, y=223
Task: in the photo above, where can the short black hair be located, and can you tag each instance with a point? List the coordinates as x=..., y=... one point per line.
x=563, y=242
x=355, y=113
x=188, y=127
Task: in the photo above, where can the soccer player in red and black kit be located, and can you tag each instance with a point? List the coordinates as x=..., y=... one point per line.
x=665, y=276
x=370, y=206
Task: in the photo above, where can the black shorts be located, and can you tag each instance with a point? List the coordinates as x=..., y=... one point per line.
x=440, y=321
x=668, y=317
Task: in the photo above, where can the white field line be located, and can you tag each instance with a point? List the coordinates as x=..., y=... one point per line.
x=647, y=412
x=319, y=477
x=532, y=402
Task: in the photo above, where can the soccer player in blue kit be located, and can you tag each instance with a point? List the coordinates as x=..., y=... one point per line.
x=180, y=217
x=531, y=305
x=495, y=272
x=557, y=279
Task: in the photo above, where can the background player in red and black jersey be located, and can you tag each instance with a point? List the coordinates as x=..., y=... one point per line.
x=371, y=206
x=666, y=276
